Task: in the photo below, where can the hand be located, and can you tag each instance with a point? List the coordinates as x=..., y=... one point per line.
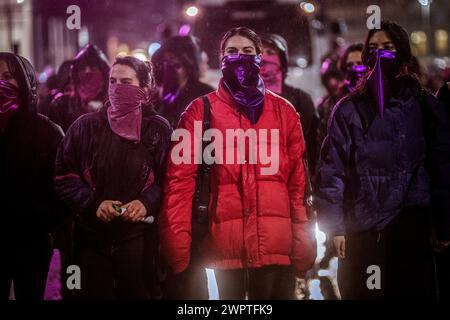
x=339, y=246
x=135, y=211
x=106, y=212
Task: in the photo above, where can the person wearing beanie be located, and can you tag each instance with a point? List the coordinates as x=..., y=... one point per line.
x=274, y=71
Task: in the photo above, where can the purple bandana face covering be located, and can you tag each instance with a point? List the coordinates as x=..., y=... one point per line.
x=170, y=87
x=9, y=102
x=125, y=111
x=382, y=65
x=354, y=74
x=241, y=78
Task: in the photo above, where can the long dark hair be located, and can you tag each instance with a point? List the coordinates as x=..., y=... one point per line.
x=398, y=36
x=243, y=32
x=400, y=39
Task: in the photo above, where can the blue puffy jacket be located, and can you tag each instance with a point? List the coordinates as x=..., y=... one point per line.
x=373, y=167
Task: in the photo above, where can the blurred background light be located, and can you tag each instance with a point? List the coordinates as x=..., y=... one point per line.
x=192, y=11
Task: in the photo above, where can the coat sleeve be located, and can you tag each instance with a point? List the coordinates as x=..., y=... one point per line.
x=176, y=213
x=331, y=171
x=303, y=246
x=152, y=191
x=437, y=133
x=77, y=194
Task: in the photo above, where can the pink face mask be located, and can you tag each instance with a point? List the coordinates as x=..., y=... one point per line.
x=9, y=102
x=271, y=72
x=91, y=84
x=125, y=111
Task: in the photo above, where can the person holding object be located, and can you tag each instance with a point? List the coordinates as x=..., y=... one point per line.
x=109, y=171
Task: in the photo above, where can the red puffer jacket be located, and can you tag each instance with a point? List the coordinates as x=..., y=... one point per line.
x=255, y=219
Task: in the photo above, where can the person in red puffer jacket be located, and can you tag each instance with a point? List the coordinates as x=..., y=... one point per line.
x=259, y=235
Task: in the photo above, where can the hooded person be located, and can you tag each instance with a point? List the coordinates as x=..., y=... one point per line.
x=332, y=79
x=274, y=69
x=86, y=76
x=257, y=232
x=384, y=167
x=109, y=171
x=28, y=144
x=177, y=73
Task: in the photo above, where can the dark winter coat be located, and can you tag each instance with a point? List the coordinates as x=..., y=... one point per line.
x=371, y=167
x=27, y=156
x=94, y=164
x=172, y=112
x=309, y=118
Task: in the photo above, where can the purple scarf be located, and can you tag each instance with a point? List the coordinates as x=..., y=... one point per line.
x=125, y=111
x=242, y=80
x=9, y=102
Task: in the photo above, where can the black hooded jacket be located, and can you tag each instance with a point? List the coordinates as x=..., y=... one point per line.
x=95, y=164
x=187, y=50
x=27, y=156
x=64, y=110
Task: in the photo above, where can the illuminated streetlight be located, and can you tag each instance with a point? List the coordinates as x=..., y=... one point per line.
x=424, y=2
x=192, y=11
x=307, y=7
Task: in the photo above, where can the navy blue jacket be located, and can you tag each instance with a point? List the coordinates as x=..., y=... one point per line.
x=371, y=167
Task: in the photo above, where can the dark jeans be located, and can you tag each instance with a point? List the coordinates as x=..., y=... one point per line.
x=265, y=283
x=26, y=263
x=113, y=270
x=403, y=253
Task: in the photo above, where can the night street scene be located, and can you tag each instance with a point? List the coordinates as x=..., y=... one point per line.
x=225, y=150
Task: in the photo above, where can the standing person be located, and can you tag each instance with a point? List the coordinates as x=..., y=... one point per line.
x=177, y=73
x=89, y=75
x=274, y=69
x=384, y=164
x=332, y=79
x=28, y=144
x=108, y=162
x=258, y=235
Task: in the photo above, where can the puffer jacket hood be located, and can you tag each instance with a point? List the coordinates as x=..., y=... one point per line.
x=23, y=72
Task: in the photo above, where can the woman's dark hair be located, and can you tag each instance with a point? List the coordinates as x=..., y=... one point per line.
x=143, y=70
x=243, y=32
x=356, y=47
x=399, y=38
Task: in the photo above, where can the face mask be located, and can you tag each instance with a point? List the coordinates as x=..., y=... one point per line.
x=383, y=69
x=9, y=102
x=353, y=75
x=125, y=111
x=271, y=72
x=91, y=84
x=170, y=86
x=242, y=80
